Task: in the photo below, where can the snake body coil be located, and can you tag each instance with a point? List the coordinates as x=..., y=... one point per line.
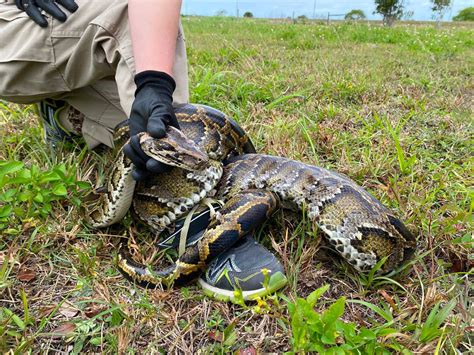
x=212, y=157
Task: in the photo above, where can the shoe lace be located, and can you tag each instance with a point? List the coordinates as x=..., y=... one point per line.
x=183, y=236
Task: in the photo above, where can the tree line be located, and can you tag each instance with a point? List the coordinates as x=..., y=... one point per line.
x=392, y=10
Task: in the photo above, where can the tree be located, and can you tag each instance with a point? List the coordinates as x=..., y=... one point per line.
x=248, y=14
x=408, y=15
x=302, y=18
x=466, y=14
x=355, y=15
x=391, y=10
x=440, y=7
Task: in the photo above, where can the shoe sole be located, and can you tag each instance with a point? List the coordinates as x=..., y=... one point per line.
x=53, y=131
x=277, y=281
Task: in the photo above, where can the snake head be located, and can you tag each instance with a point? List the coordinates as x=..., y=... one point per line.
x=175, y=149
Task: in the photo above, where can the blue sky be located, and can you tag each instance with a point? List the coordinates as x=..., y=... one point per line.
x=279, y=8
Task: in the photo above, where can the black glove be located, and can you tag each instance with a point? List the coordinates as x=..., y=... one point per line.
x=151, y=112
x=33, y=9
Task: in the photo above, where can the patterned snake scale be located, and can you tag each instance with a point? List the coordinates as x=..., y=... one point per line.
x=212, y=157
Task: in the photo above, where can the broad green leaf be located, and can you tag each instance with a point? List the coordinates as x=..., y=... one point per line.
x=20, y=212
x=349, y=329
x=46, y=209
x=83, y=185
x=9, y=167
x=367, y=334
x=35, y=170
x=22, y=177
x=8, y=195
x=25, y=196
x=96, y=341
x=61, y=170
x=316, y=295
x=329, y=336
x=5, y=211
x=334, y=311
x=329, y=318
x=38, y=198
x=49, y=177
x=339, y=351
x=60, y=190
x=17, y=180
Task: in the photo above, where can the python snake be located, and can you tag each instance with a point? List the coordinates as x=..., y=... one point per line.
x=212, y=157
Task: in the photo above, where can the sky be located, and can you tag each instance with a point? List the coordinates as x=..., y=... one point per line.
x=280, y=8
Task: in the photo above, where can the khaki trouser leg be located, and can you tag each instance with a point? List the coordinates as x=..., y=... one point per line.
x=100, y=104
x=86, y=61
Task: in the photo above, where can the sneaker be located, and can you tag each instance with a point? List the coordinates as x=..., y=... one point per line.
x=246, y=271
x=53, y=131
x=197, y=226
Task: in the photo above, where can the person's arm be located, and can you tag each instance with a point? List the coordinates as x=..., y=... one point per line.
x=154, y=28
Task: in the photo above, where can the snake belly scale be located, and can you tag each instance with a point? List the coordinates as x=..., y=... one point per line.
x=212, y=157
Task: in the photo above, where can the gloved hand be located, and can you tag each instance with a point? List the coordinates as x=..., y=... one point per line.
x=152, y=111
x=33, y=9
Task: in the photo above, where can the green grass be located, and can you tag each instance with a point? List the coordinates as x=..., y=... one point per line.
x=391, y=108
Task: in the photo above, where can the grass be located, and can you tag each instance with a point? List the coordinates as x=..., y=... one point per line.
x=391, y=108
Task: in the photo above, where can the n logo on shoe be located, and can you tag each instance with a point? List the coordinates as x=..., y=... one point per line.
x=217, y=267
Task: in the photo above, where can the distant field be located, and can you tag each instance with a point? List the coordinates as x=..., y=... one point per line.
x=390, y=107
